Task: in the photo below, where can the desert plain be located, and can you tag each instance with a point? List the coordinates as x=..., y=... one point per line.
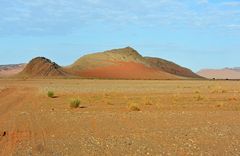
x=174, y=117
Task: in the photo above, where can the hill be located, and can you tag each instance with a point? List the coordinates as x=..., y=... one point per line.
x=124, y=63
x=171, y=67
x=43, y=67
x=11, y=69
x=226, y=73
x=127, y=63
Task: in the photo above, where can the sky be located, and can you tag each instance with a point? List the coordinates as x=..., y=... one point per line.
x=193, y=33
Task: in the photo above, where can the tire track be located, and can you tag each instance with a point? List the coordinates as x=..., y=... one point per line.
x=39, y=135
x=19, y=128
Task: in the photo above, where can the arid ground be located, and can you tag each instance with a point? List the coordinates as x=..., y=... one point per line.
x=175, y=118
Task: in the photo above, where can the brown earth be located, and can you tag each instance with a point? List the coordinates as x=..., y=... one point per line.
x=175, y=117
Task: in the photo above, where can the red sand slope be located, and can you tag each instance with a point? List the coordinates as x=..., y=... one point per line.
x=126, y=70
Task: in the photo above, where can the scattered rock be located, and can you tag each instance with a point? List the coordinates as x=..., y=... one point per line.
x=4, y=133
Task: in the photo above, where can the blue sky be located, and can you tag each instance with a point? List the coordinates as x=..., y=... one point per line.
x=193, y=33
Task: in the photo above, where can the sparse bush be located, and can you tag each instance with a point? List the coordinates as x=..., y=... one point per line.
x=109, y=103
x=50, y=94
x=106, y=94
x=214, y=91
x=219, y=105
x=75, y=103
x=197, y=92
x=149, y=103
x=232, y=99
x=133, y=107
x=199, y=98
x=224, y=91
x=218, y=90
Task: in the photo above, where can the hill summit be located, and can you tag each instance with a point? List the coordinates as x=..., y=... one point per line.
x=107, y=58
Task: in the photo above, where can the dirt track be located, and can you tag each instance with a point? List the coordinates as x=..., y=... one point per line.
x=175, y=123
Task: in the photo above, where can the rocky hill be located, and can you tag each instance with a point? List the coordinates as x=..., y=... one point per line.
x=43, y=67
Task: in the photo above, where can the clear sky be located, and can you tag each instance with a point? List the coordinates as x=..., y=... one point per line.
x=193, y=33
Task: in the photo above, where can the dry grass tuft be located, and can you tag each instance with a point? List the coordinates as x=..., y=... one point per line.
x=110, y=103
x=148, y=101
x=220, y=105
x=50, y=94
x=223, y=91
x=133, y=107
x=218, y=90
x=199, y=98
x=197, y=92
x=232, y=99
x=75, y=103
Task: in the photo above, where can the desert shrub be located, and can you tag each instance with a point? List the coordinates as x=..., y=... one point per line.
x=223, y=91
x=197, y=92
x=149, y=103
x=232, y=99
x=50, y=94
x=218, y=90
x=75, y=103
x=110, y=103
x=220, y=105
x=199, y=98
x=133, y=107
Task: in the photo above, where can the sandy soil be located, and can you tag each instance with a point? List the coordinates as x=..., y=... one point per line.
x=175, y=118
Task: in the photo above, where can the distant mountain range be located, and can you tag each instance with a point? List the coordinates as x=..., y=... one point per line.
x=124, y=63
x=11, y=69
x=225, y=73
